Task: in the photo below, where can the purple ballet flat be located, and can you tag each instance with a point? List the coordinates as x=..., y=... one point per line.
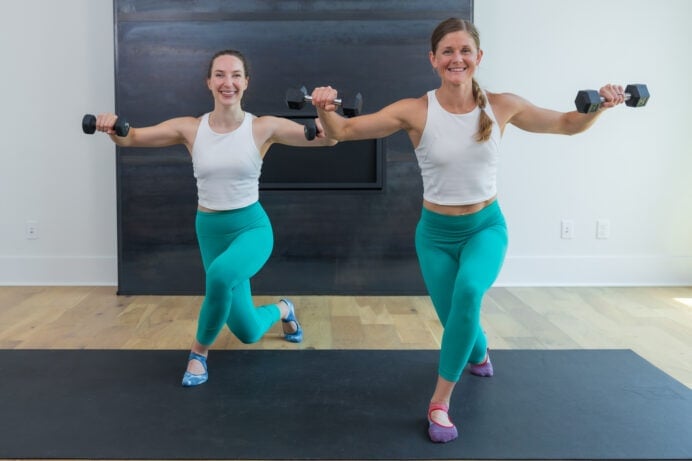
x=482, y=369
x=437, y=432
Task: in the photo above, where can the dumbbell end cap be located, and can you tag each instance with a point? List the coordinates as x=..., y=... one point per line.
x=354, y=108
x=587, y=101
x=310, y=131
x=295, y=98
x=122, y=127
x=639, y=95
x=89, y=124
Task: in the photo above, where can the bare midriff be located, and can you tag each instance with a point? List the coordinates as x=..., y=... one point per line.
x=457, y=210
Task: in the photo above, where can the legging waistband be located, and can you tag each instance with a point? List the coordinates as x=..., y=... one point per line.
x=491, y=214
x=214, y=223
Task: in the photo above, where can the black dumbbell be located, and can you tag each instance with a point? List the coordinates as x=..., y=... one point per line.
x=310, y=129
x=121, y=127
x=296, y=99
x=636, y=95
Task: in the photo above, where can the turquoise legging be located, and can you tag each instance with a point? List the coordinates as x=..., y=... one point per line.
x=460, y=258
x=235, y=245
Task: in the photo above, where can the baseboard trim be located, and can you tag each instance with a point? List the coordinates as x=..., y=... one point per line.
x=517, y=271
x=596, y=271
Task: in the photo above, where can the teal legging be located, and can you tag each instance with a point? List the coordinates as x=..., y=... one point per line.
x=234, y=244
x=460, y=258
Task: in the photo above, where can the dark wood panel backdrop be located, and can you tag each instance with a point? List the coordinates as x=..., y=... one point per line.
x=326, y=241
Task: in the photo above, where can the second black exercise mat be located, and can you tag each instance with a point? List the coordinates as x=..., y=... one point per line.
x=337, y=405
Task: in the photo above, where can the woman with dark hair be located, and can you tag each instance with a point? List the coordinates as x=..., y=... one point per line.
x=235, y=236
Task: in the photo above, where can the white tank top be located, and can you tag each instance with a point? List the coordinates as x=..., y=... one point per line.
x=456, y=169
x=227, y=166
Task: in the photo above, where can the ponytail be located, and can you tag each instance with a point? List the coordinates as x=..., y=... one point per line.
x=485, y=123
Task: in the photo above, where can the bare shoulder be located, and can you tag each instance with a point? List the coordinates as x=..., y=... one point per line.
x=407, y=105
x=184, y=121
x=264, y=126
x=264, y=120
x=412, y=112
x=187, y=126
x=183, y=124
x=504, y=99
x=505, y=105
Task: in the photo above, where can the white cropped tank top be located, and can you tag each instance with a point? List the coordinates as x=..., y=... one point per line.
x=227, y=166
x=456, y=169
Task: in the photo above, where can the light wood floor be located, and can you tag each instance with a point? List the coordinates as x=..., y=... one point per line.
x=656, y=323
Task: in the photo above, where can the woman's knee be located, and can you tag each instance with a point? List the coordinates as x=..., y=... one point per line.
x=469, y=292
x=220, y=280
x=247, y=336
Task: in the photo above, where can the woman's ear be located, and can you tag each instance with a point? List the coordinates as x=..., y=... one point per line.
x=431, y=56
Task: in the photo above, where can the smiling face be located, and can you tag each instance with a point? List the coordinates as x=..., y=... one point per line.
x=456, y=57
x=227, y=79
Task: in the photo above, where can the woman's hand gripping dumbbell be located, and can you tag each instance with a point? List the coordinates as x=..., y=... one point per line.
x=120, y=125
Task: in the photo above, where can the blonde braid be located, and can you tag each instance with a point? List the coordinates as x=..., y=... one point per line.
x=485, y=124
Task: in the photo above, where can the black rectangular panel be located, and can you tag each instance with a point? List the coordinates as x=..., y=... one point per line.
x=354, y=239
x=351, y=165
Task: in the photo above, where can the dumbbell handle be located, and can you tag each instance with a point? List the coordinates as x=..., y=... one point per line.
x=626, y=95
x=308, y=98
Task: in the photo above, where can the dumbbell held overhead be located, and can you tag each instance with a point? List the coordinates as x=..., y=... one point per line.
x=296, y=99
x=636, y=95
x=121, y=127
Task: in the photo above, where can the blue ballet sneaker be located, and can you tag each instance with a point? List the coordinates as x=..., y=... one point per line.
x=296, y=336
x=190, y=379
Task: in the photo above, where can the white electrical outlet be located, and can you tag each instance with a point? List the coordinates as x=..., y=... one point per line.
x=31, y=230
x=567, y=229
x=603, y=228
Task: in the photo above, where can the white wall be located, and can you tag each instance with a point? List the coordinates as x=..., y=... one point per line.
x=57, y=65
x=631, y=168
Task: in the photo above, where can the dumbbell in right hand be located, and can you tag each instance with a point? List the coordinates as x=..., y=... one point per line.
x=121, y=127
x=636, y=95
x=296, y=99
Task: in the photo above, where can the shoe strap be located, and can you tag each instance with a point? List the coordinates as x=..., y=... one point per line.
x=195, y=356
x=437, y=406
x=291, y=317
x=441, y=407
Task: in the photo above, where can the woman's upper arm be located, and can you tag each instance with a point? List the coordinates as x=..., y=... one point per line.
x=390, y=119
x=270, y=130
x=527, y=116
x=179, y=130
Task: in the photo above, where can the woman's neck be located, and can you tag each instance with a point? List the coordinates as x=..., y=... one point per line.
x=457, y=99
x=226, y=119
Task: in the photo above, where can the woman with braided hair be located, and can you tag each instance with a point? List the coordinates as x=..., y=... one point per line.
x=461, y=238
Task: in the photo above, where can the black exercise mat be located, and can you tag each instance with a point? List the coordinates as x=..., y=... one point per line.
x=367, y=404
